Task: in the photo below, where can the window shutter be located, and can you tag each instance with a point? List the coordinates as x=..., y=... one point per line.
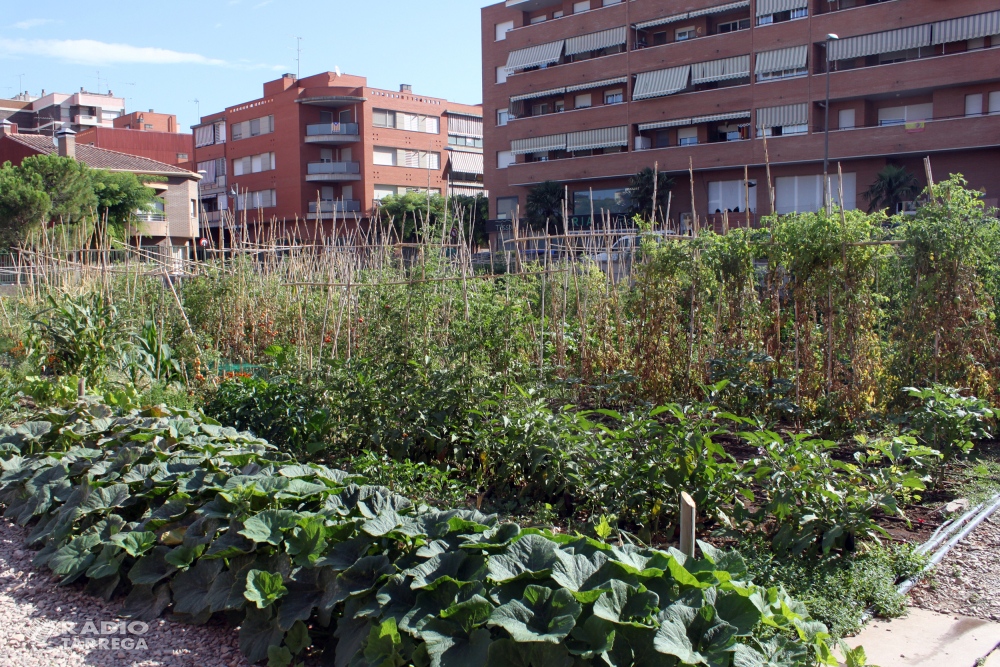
x=238, y=167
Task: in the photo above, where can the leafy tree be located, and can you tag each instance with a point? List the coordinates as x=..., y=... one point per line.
x=640, y=189
x=68, y=184
x=479, y=208
x=119, y=196
x=893, y=185
x=545, y=203
x=408, y=213
x=23, y=203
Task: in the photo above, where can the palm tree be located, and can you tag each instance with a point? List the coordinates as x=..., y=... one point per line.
x=893, y=185
x=545, y=202
x=640, y=189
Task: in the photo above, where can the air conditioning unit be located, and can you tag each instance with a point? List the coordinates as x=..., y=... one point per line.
x=643, y=143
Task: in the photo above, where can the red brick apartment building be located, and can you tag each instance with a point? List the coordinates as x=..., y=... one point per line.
x=331, y=142
x=588, y=93
x=147, y=134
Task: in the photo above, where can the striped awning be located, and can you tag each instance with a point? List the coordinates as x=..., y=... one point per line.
x=967, y=27
x=661, y=82
x=467, y=163
x=880, y=42
x=535, y=56
x=765, y=7
x=552, y=142
x=789, y=114
x=718, y=9
x=680, y=122
x=602, y=138
x=468, y=191
x=596, y=84
x=539, y=93
x=596, y=41
x=794, y=57
x=720, y=70
x=467, y=126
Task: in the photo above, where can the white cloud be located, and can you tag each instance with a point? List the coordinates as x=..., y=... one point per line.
x=92, y=52
x=31, y=23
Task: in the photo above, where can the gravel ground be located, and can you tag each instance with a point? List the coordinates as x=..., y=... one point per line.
x=45, y=625
x=967, y=581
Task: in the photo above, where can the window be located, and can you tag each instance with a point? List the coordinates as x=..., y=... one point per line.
x=608, y=3
x=383, y=191
x=502, y=28
x=538, y=157
x=779, y=17
x=503, y=115
x=977, y=43
x=560, y=106
x=687, y=136
x=147, y=126
x=995, y=102
x=783, y=130
x=539, y=109
x=252, y=200
x=504, y=159
x=456, y=140
x=253, y=128
x=383, y=118
x=613, y=96
x=537, y=19
x=582, y=101
x=804, y=194
x=432, y=125
x=905, y=114
x=501, y=75
x=731, y=196
x=782, y=74
x=682, y=34
x=506, y=208
x=662, y=138
x=557, y=15
x=845, y=119
x=974, y=105
x=581, y=6
x=384, y=156
x=604, y=201
x=659, y=38
x=898, y=56
x=252, y=164
x=181, y=157
x=194, y=208
x=732, y=26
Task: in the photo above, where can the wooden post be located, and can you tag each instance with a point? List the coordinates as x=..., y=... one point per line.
x=81, y=388
x=688, y=513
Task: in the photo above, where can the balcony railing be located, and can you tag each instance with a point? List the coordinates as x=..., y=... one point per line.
x=334, y=168
x=86, y=120
x=321, y=129
x=211, y=216
x=145, y=216
x=339, y=206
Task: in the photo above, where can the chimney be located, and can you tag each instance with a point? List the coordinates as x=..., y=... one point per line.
x=43, y=92
x=66, y=140
x=7, y=128
x=150, y=111
x=405, y=88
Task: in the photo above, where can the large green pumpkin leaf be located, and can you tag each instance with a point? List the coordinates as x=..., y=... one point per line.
x=103, y=499
x=145, y=602
x=259, y=631
x=627, y=605
x=456, y=566
x=540, y=616
x=152, y=567
x=227, y=590
x=191, y=587
x=449, y=646
x=739, y=611
x=269, y=525
x=307, y=541
x=509, y=653
x=530, y=556
x=263, y=588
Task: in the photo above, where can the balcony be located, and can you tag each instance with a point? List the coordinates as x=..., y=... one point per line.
x=86, y=120
x=332, y=133
x=213, y=186
x=145, y=217
x=341, y=207
x=211, y=217
x=333, y=171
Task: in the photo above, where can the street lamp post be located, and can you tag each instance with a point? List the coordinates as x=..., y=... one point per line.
x=826, y=126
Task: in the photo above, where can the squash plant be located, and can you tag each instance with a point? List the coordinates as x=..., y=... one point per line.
x=172, y=511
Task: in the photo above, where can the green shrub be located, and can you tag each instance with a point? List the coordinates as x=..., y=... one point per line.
x=174, y=510
x=948, y=421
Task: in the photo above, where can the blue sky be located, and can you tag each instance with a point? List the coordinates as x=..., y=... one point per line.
x=163, y=56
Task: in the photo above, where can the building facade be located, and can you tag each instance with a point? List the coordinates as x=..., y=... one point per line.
x=328, y=147
x=589, y=93
x=52, y=112
x=173, y=223
x=175, y=148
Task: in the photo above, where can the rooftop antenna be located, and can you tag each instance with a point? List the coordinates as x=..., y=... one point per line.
x=20, y=84
x=129, y=98
x=196, y=101
x=298, y=58
x=99, y=82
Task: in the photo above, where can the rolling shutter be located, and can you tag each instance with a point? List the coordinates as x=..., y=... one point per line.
x=467, y=163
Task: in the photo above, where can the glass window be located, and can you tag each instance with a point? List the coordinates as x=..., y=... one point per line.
x=659, y=38
x=582, y=101
x=502, y=28
x=613, y=96
x=687, y=136
x=581, y=6
x=682, y=34
x=605, y=201
x=503, y=115
x=662, y=138
x=974, y=105
x=506, y=208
